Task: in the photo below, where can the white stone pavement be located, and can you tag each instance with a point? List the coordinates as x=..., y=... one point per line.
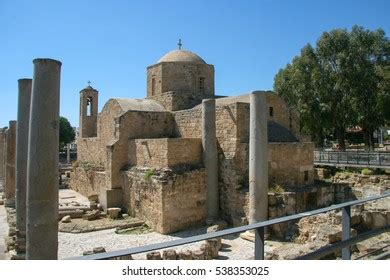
x=3, y=232
x=71, y=245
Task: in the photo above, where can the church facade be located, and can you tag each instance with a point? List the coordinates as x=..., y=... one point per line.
x=146, y=155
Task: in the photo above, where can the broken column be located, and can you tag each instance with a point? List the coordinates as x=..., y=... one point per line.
x=21, y=161
x=42, y=165
x=258, y=158
x=210, y=158
x=9, y=188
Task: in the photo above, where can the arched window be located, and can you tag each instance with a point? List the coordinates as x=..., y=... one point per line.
x=89, y=106
x=271, y=111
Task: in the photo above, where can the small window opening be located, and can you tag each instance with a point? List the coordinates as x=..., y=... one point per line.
x=153, y=86
x=306, y=176
x=201, y=85
x=89, y=106
x=271, y=111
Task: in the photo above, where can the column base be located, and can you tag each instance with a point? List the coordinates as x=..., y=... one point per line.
x=14, y=255
x=20, y=242
x=10, y=203
x=248, y=235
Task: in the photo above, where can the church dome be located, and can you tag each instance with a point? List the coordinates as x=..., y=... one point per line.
x=181, y=56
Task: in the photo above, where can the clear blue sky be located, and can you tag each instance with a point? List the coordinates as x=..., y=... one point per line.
x=112, y=42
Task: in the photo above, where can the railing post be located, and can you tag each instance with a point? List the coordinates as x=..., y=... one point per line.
x=346, y=234
x=259, y=243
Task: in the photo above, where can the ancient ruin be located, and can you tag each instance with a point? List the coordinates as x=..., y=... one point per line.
x=183, y=160
x=175, y=162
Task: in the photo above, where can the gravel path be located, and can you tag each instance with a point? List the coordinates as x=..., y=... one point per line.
x=71, y=245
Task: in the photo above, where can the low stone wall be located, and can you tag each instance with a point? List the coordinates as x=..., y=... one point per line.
x=87, y=180
x=167, y=200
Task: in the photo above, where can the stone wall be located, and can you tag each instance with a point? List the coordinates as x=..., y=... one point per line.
x=180, y=77
x=87, y=180
x=168, y=152
x=291, y=164
x=174, y=101
x=166, y=200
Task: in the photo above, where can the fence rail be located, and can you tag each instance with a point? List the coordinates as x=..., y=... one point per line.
x=344, y=245
x=352, y=159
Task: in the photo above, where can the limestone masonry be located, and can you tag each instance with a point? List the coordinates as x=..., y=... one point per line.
x=147, y=156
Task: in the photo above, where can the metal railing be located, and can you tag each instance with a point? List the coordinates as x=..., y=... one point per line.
x=258, y=228
x=352, y=159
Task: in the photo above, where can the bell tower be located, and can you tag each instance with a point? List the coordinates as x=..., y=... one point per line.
x=88, y=112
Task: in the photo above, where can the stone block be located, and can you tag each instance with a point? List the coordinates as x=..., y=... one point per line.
x=113, y=213
x=66, y=219
x=212, y=247
x=169, y=254
x=185, y=255
x=198, y=255
x=153, y=256
x=91, y=215
x=93, y=198
x=110, y=198
x=97, y=250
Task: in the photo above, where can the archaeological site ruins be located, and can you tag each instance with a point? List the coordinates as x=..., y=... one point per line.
x=182, y=158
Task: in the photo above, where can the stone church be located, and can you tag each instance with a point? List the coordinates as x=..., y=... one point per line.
x=146, y=155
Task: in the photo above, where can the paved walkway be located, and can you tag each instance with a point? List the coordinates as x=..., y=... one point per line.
x=71, y=245
x=3, y=232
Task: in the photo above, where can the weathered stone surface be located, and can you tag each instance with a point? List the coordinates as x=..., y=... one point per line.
x=169, y=255
x=66, y=219
x=10, y=186
x=93, y=198
x=90, y=252
x=91, y=215
x=185, y=255
x=24, y=102
x=113, y=213
x=198, y=255
x=74, y=214
x=136, y=141
x=42, y=165
x=97, y=250
x=153, y=256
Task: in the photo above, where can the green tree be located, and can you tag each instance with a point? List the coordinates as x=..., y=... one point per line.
x=67, y=133
x=339, y=84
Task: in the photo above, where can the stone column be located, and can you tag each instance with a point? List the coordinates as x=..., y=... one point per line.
x=210, y=158
x=21, y=162
x=42, y=165
x=9, y=189
x=2, y=151
x=258, y=158
x=258, y=168
x=4, y=159
x=67, y=153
